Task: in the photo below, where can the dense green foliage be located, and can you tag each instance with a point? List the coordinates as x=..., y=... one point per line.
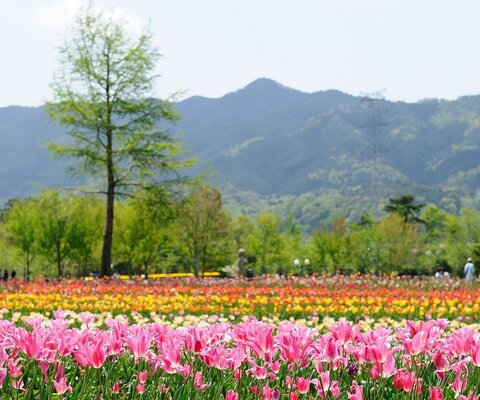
x=58, y=234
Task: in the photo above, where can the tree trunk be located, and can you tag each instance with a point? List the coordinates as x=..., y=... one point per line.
x=59, y=262
x=195, y=265
x=145, y=269
x=27, y=271
x=106, y=267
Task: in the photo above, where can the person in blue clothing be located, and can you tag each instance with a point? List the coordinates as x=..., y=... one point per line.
x=469, y=269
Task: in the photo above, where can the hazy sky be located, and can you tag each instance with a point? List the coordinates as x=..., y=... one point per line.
x=413, y=48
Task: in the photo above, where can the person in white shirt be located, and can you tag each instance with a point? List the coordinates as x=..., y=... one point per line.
x=469, y=269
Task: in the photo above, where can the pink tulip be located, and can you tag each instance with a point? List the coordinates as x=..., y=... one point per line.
x=323, y=386
x=471, y=396
x=18, y=384
x=86, y=317
x=170, y=357
x=357, y=392
x=380, y=351
x=461, y=341
x=97, y=355
x=237, y=374
x=436, y=393
x=30, y=343
x=163, y=388
x=256, y=390
x=342, y=332
x=275, y=366
x=185, y=370
x=116, y=388
x=335, y=389
x=140, y=388
x=295, y=349
x=61, y=386
x=3, y=375
x=195, y=339
x=142, y=377
x=198, y=382
x=458, y=385
x=261, y=342
x=303, y=385
x=15, y=369
x=475, y=354
x=231, y=395
x=440, y=361
x=235, y=357
x=240, y=349
x=139, y=341
x=215, y=356
x=91, y=351
x=417, y=344
x=403, y=380
x=270, y=394
x=259, y=372
x=384, y=370
x=331, y=350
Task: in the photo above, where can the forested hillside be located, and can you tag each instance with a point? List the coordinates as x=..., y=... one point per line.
x=310, y=155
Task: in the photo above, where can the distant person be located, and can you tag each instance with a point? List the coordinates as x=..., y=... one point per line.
x=249, y=274
x=469, y=269
x=5, y=275
x=441, y=274
x=13, y=274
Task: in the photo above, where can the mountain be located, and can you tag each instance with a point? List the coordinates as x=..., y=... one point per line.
x=312, y=155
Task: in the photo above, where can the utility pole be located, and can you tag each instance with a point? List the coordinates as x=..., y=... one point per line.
x=374, y=148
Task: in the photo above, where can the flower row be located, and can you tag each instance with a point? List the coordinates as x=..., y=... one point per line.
x=351, y=297
x=249, y=360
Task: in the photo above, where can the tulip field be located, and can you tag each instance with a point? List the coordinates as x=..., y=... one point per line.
x=318, y=337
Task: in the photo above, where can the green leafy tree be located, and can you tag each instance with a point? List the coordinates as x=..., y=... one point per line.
x=461, y=238
x=365, y=255
x=103, y=96
x=21, y=223
x=54, y=227
x=242, y=228
x=433, y=238
x=405, y=207
x=293, y=248
x=206, y=229
x=331, y=247
x=144, y=233
x=9, y=253
x=397, y=245
x=84, y=232
x=266, y=243
x=434, y=219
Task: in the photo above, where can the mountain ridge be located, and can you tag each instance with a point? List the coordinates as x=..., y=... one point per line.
x=272, y=143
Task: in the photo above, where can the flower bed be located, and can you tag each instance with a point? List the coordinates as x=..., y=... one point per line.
x=249, y=360
x=269, y=338
x=311, y=297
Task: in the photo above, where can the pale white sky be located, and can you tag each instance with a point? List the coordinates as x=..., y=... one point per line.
x=413, y=48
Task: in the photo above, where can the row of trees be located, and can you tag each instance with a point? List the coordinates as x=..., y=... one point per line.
x=55, y=234
x=118, y=134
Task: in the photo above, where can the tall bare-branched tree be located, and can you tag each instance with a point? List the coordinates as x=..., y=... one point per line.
x=103, y=95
